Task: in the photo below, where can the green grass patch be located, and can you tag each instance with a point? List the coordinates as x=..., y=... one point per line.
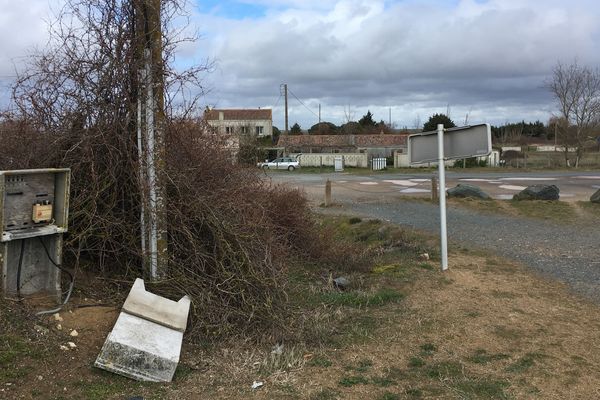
x=348, y=381
x=444, y=369
x=482, y=389
x=361, y=299
x=414, y=393
x=524, y=363
x=382, y=381
x=483, y=357
x=321, y=362
x=428, y=349
x=416, y=362
x=324, y=394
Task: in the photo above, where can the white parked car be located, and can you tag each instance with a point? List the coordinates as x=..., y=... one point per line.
x=288, y=163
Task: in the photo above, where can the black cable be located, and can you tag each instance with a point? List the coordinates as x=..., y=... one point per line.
x=19, y=269
x=71, y=277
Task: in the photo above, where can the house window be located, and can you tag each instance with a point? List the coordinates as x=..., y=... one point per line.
x=229, y=130
x=245, y=129
x=259, y=130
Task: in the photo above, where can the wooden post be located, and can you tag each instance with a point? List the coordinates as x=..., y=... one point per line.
x=327, y=193
x=434, y=188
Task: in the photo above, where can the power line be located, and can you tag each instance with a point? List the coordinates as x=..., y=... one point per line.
x=277, y=102
x=305, y=106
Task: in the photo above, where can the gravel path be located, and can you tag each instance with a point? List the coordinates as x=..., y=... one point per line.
x=570, y=253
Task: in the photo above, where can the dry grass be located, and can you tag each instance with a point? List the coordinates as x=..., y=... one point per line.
x=485, y=329
x=559, y=211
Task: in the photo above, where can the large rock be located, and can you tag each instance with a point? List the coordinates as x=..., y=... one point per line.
x=462, y=190
x=596, y=197
x=538, y=192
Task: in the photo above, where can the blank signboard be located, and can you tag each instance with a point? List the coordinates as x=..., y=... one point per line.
x=462, y=142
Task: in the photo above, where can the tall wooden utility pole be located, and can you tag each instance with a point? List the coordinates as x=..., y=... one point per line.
x=151, y=141
x=285, y=94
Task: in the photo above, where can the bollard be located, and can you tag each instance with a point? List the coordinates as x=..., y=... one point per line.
x=434, y=188
x=327, y=193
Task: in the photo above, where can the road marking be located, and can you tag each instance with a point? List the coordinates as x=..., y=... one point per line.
x=511, y=187
x=413, y=190
x=587, y=177
x=527, y=179
x=504, y=196
x=420, y=180
x=402, y=182
x=474, y=180
x=368, y=183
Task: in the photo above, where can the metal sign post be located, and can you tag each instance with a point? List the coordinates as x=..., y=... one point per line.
x=442, y=186
x=456, y=143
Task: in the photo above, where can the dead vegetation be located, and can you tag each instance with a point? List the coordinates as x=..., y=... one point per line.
x=231, y=236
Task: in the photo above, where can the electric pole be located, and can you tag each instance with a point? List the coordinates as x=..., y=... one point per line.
x=285, y=94
x=150, y=130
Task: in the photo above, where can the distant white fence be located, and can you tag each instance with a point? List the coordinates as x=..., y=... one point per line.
x=359, y=160
x=378, y=164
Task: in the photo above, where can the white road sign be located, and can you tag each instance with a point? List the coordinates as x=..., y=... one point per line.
x=461, y=142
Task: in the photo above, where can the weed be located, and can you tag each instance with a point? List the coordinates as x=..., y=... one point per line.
x=320, y=362
x=354, y=220
x=364, y=365
x=524, y=363
x=324, y=394
x=428, y=349
x=348, y=381
x=426, y=266
x=416, y=362
x=482, y=389
x=444, y=369
x=482, y=357
x=382, y=381
x=361, y=299
x=414, y=393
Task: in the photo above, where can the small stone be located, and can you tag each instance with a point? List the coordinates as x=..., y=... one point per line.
x=64, y=348
x=72, y=345
x=424, y=257
x=74, y=333
x=57, y=317
x=59, y=327
x=40, y=378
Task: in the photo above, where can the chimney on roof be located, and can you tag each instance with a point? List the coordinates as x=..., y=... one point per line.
x=221, y=116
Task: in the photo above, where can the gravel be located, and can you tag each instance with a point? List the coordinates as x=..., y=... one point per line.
x=569, y=253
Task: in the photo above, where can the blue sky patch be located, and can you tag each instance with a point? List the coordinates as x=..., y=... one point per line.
x=231, y=9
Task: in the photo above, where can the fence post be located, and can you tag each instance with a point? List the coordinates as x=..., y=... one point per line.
x=434, y=188
x=327, y=193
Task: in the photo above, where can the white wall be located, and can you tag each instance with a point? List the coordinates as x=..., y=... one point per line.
x=359, y=160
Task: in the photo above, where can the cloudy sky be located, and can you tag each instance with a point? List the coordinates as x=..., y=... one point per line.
x=487, y=59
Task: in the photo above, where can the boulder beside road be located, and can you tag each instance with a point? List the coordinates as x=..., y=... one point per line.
x=538, y=192
x=462, y=191
x=596, y=197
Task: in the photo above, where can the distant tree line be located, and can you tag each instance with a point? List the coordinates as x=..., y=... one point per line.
x=366, y=125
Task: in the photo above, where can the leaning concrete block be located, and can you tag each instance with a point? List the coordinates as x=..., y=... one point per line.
x=146, y=340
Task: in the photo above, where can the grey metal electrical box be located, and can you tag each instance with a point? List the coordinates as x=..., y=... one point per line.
x=34, y=213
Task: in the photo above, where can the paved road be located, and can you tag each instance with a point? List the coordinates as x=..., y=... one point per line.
x=570, y=253
x=574, y=186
